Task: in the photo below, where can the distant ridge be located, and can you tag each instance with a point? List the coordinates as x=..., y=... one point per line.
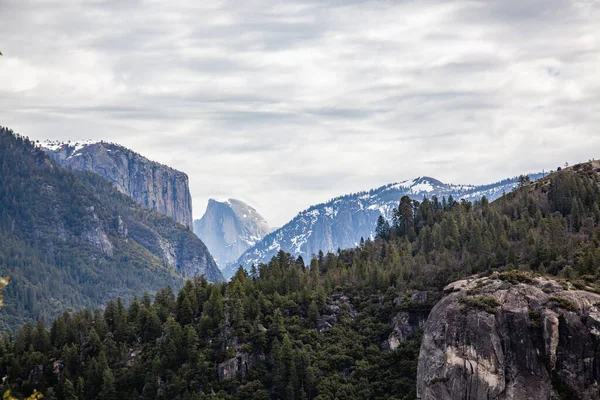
x=342, y=221
x=228, y=228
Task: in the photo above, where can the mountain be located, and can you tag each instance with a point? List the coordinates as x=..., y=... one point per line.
x=69, y=239
x=343, y=221
x=229, y=228
x=152, y=185
x=383, y=320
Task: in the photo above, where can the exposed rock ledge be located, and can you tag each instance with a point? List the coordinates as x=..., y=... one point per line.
x=511, y=337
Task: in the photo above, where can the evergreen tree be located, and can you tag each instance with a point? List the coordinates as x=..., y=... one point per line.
x=68, y=390
x=109, y=391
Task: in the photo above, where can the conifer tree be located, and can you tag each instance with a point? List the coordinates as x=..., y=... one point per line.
x=108, y=391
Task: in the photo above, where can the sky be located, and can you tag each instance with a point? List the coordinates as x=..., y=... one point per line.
x=285, y=104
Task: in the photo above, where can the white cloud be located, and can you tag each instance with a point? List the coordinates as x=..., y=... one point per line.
x=289, y=104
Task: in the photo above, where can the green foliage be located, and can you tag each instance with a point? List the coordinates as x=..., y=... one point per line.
x=62, y=243
x=563, y=303
x=515, y=276
x=171, y=347
x=168, y=348
x=485, y=303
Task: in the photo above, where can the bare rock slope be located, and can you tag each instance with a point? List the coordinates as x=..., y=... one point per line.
x=510, y=336
x=229, y=228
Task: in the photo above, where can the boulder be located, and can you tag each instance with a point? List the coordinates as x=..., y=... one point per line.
x=511, y=336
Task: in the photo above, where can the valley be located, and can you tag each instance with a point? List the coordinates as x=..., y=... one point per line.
x=299, y=200
x=463, y=287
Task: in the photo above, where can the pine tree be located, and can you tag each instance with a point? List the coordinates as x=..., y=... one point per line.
x=185, y=314
x=108, y=391
x=405, y=215
x=313, y=314
x=68, y=390
x=382, y=229
x=80, y=388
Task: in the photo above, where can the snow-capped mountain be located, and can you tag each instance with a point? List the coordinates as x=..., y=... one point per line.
x=229, y=228
x=341, y=222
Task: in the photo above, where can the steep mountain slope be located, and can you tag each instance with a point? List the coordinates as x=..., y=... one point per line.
x=69, y=239
x=229, y=228
x=152, y=185
x=341, y=222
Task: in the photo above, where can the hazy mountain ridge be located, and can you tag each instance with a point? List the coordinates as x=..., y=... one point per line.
x=342, y=221
x=151, y=184
x=229, y=228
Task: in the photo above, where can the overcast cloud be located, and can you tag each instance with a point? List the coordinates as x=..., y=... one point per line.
x=289, y=103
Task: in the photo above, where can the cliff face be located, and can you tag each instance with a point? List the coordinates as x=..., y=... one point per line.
x=150, y=184
x=229, y=228
x=155, y=187
x=70, y=240
x=511, y=338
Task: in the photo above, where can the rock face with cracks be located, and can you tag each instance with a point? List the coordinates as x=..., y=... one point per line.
x=510, y=336
x=152, y=185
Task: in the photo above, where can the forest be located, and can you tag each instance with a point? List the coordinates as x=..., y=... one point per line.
x=294, y=329
x=69, y=239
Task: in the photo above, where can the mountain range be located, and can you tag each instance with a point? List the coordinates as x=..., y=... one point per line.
x=482, y=300
x=234, y=232
x=341, y=222
x=229, y=228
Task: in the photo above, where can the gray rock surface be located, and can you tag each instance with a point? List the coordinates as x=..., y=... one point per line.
x=491, y=338
x=404, y=325
x=152, y=185
x=238, y=366
x=173, y=244
x=229, y=228
x=336, y=303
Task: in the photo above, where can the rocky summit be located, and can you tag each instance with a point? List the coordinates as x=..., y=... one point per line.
x=511, y=336
x=229, y=228
x=152, y=185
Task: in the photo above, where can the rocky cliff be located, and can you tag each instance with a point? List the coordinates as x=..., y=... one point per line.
x=511, y=336
x=70, y=240
x=229, y=228
x=152, y=185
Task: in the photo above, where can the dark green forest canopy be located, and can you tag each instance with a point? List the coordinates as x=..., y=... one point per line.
x=61, y=242
x=177, y=346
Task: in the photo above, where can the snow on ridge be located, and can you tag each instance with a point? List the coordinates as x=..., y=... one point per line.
x=50, y=145
x=400, y=185
x=424, y=186
x=296, y=235
x=54, y=145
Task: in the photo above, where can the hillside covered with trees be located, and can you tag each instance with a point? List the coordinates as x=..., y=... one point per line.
x=292, y=329
x=69, y=240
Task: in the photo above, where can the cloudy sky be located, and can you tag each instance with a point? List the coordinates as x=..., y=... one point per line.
x=289, y=103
